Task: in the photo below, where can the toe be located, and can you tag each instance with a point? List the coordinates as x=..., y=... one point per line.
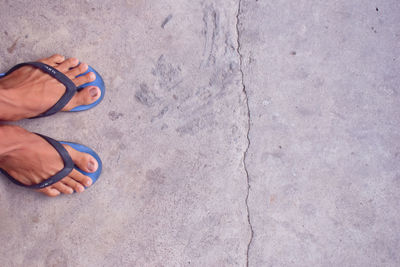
x=87, y=78
x=81, y=68
x=67, y=64
x=86, y=96
x=78, y=187
x=54, y=60
x=80, y=178
x=84, y=161
x=49, y=191
x=63, y=188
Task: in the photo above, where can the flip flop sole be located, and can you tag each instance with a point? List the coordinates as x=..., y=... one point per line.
x=81, y=148
x=99, y=83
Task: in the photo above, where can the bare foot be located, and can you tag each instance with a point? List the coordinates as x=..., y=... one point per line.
x=30, y=159
x=28, y=92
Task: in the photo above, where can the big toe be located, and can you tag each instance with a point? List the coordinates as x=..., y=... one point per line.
x=84, y=161
x=86, y=96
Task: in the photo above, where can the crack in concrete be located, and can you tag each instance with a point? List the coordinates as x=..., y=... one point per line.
x=248, y=130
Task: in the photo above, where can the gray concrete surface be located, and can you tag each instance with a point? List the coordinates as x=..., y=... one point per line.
x=323, y=86
x=233, y=133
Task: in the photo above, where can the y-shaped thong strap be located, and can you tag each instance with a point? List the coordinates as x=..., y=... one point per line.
x=70, y=88
x=68, y=167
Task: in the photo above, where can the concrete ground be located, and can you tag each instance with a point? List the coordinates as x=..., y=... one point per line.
x=233, y=133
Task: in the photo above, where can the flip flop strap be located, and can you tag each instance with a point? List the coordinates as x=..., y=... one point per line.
x=70, y=88
x=68, y=166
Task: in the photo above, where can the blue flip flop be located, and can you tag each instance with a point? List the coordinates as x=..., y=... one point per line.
x=81, y=148
x=70, y=90
x=99, y=83
x=69, y=165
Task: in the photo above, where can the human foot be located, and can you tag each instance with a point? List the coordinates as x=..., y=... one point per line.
x=28, y=91
x=30, y=160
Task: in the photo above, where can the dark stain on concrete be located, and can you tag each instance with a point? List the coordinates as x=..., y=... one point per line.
x=210, y=32
x=11, y=49
x=166, y=20
x=168, y=74
x=155, y=176
x=145, y=96
x=113, y=115
x=160, y=114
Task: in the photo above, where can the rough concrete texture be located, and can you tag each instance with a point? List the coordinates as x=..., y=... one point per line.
x=305, y=93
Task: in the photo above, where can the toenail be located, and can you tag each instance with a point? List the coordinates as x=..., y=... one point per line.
x=80, y=189
x=88, y=182
x=90, y=76
x=91, y=166
x=84, y=66
x=93, y=92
